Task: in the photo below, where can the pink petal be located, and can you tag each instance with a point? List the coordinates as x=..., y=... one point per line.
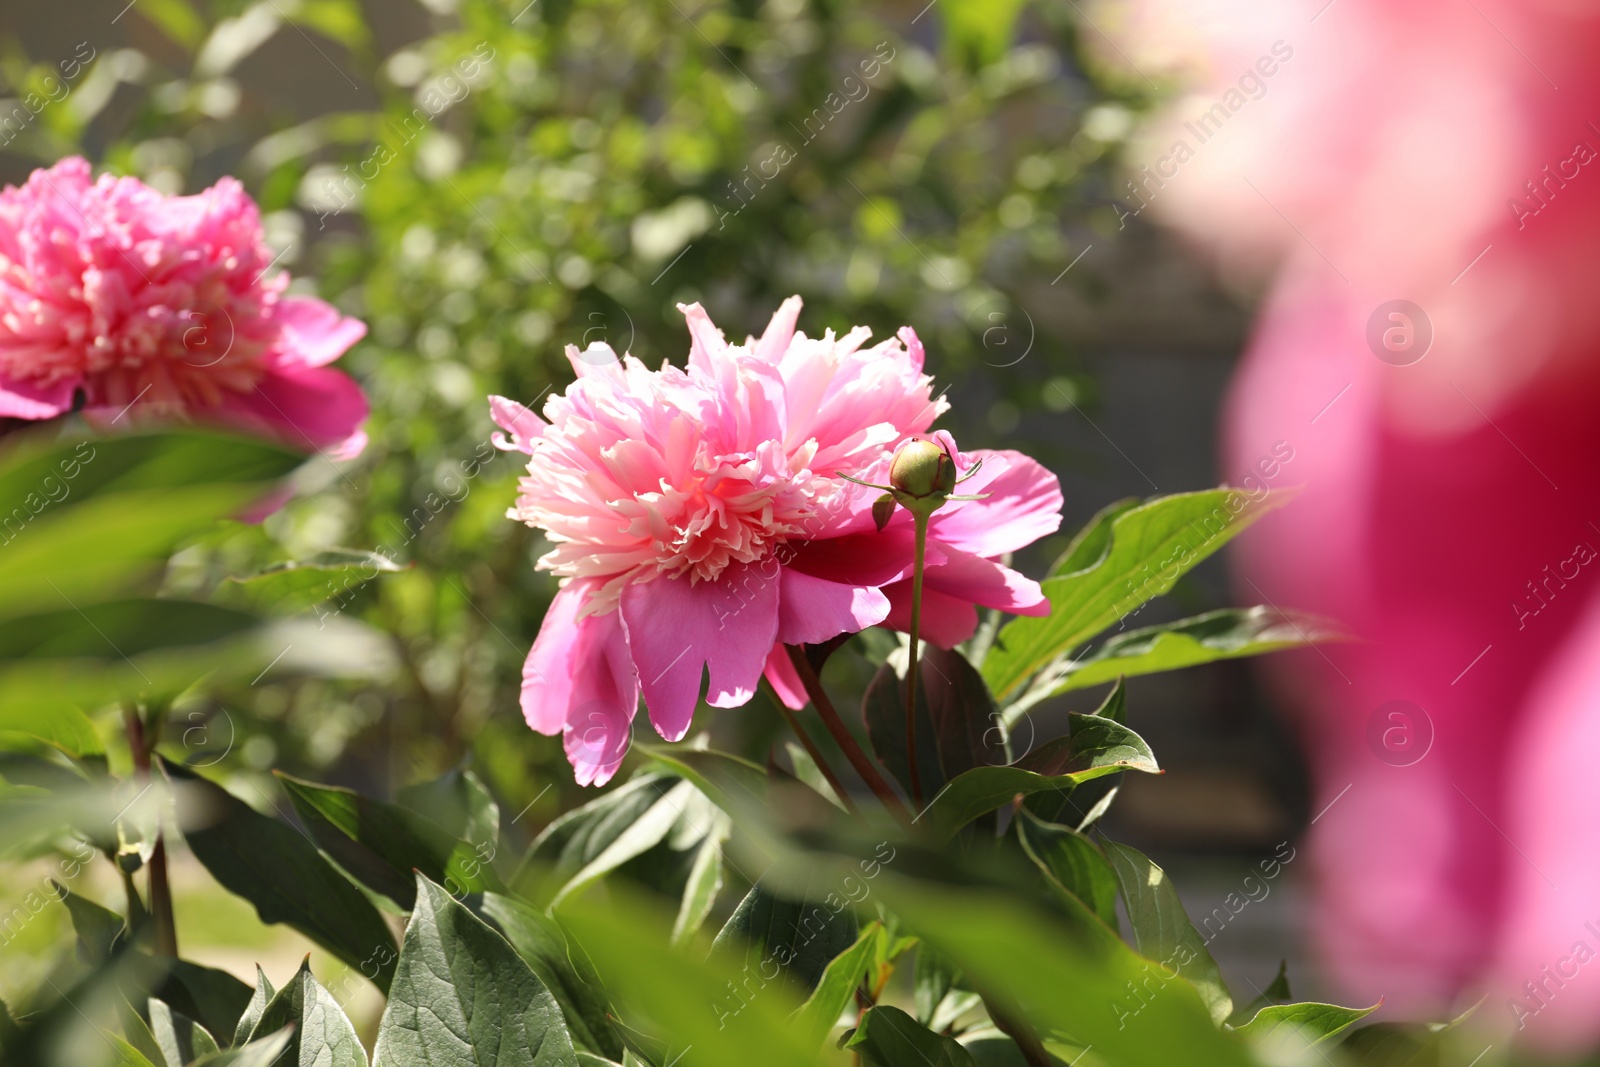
x=914, y=349
x=946, y=620
x=522, y=424
x=983, y=581
x=1023, y=504
x=676, y=626
x=708, y=345
x=314, y=333
x=785, y=680
x=306, y=407
x=19, y=400
x=779, y=332
x=863, y=558
x=547, y=674
x=812, y=610
x=946, y=441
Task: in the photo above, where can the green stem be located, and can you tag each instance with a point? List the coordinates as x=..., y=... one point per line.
x=842, y=736
x=142, y=742
x=921, y=520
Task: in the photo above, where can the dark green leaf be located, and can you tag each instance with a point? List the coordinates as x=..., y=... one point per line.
x=459, y=802
x=180, y=1039
x=382, y=844
x=794, y=938
x=275, y=867
x=1073, y=863
x=1161, y=928
x=575, y=840
x=212, y=997
x=459, y=986
x=958, y=727
x=97, y=928
x=836, y=991
x=1151, y=546
x=322, y=1034
x=1303, y=1026
x=252, y=1012
x=543, y=946
x=888, y=1037
x=1231, y=633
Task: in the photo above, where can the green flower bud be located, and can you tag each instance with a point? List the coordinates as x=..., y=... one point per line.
x=922, y=469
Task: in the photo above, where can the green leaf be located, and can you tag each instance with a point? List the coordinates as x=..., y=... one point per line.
x=543, y=946
x=655, y=823
x=276, y=868
x=1305, y=1025
x=1151, y=546
x=729, y=1018
x=1073, y=864
x=458, y=801
x=958, y=727
x=1161, y=928
x=297, y=584
x=210, y=996
x=80, y=523
x=575, y=840
x=1094, y=746
x=180, y=1039
x=936, y=993
x=127, y=1055
x=177, y=20
x=252, y=1012
x=262, y=1052
x=837, y=988
x=381, y=844
x=1231, y=633
x=459, y=986
x=792, y=937
x=807, y=771
x=61, y=726
x=322, y=1034
x=704, y=882
x=98, y=928
x=1089, y=544
x=888, y=1037
x=730, y=782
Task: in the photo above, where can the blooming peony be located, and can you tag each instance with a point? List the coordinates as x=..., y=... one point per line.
x=699, y=524
x=159, y=307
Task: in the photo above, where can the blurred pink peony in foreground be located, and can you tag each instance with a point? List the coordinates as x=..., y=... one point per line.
x=158, y=308
x=1442, y=154
x=699, y=524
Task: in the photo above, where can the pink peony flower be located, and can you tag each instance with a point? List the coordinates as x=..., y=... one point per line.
x=699, y=524
x=159, y=308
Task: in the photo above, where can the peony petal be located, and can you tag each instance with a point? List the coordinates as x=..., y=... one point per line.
x=945, y=440
x=863, y=558
x=946, y=620
x=313, y=408
x=676, y=627
x=19, y=400
x=812, y=610
x=779, y=332
x=516, y=419
x=599, y=726
x=1022, y=504
x=707, y=347
x=313, y=332
x=547, y=674
x=785, y=680
x=983, y=581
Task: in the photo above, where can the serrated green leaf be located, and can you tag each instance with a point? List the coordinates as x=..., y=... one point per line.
x=276, y=868
x=544, y=947
x=1151, y=547
x=322, y=1036
x=1073, y=863
x=888, y=1037
x=1304, y=1025
x=1162, y=930
x=1232, y=633
x=460, y=986
x=836, y=990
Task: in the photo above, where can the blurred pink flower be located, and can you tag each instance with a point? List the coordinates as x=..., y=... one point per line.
x=698, y=523
x=158, y=308
x=1420, y=151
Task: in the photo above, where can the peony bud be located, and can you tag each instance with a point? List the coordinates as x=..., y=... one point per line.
x=922, y=469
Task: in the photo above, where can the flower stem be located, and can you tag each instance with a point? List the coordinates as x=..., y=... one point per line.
x=142, y=742
x=811, y=748
x=841, y=734
x=921, y=520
